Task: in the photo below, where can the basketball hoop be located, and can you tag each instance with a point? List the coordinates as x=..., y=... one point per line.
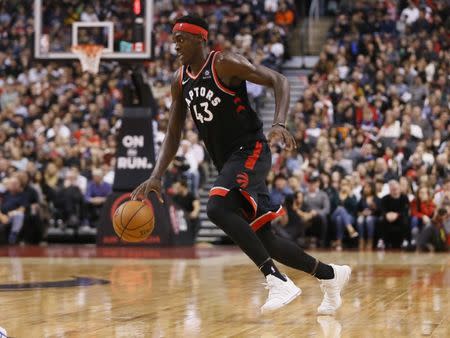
x=89, y=56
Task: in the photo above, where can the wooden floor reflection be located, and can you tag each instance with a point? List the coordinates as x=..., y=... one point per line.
x=389, y=295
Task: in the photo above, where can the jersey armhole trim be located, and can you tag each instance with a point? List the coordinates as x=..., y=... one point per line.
x=180, y=80
x=217, y=80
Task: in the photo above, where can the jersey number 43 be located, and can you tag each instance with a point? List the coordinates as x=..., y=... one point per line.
x=203, y=114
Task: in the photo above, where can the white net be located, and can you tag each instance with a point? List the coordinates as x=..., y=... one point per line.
x=89, y=56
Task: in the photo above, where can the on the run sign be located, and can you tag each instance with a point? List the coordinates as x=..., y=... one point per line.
x=132, y=160
x=135, y=153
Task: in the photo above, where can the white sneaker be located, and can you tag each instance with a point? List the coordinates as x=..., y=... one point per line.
x=280, y=293
x=332, y=288
x=3, y=333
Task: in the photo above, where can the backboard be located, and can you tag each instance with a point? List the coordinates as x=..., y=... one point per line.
x=122, y=27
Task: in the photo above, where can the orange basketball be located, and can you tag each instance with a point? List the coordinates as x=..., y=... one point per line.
x=134, y=221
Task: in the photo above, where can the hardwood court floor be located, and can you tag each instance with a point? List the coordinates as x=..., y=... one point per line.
x=213, y=293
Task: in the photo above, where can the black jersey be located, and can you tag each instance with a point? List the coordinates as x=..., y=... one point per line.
x=222, y=115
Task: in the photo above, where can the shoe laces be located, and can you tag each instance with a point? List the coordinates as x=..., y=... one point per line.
x=273, y=289
x=330, y=294
x=329, y=290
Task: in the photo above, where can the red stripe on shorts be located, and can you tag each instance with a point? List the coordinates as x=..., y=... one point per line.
x=250, y=200
x=267, y=217
x=218, y=191
x=251, y=160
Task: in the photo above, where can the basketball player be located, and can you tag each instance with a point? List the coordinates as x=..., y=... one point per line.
x=211, y=85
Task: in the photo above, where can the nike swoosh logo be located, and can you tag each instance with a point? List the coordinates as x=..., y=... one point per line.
x=184, y=82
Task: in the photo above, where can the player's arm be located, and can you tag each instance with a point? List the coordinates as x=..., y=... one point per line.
x=234, y=68
x=177, y=116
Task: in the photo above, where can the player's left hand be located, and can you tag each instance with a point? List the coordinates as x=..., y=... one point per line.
x=280, y=134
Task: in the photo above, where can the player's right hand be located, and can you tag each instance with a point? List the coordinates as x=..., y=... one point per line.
x=152, y=184
x=280, y=134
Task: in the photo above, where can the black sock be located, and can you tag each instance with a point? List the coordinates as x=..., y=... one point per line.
x=324, y=271
x=269, y=268
x=290, y=254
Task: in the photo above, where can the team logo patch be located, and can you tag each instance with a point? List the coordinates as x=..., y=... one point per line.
x=242, y=180
x=206, y=75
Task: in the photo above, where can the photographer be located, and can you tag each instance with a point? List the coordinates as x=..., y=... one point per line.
x=175, y=172
x=189, y=204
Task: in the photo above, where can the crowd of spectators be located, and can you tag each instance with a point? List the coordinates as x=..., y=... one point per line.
x=373, y=127
x=372, y=166
x=58, y=126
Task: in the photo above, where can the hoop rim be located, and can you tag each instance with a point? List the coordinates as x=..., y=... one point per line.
x=87, y=49
x=89, y=56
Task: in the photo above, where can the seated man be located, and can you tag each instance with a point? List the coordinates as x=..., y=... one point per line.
x=395, y=222
x=12, y=209
x=70, y=203
x=33, y=227
x=318, y=203
x=280, y=190
x=96, y=193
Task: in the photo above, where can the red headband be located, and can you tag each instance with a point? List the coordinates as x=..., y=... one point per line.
x=190, y=28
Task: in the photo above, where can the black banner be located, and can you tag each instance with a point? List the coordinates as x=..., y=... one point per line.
x=161, y=235
x=135, y=156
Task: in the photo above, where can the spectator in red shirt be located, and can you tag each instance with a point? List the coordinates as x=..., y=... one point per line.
x=284, y=16
x=422, y=210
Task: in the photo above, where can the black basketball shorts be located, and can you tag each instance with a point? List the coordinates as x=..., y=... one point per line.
x=246, y=171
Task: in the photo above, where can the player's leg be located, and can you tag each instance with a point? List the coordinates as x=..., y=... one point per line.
x=332, y=277
x=226, y=205
x=292, y=255
x=225, y=213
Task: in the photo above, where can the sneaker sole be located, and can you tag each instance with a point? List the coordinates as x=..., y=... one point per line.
x=331, y=313
x=299, y=292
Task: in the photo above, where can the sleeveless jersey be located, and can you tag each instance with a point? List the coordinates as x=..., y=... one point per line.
x=223, y=116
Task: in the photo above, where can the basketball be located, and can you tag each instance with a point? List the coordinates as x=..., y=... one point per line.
x=133, y=221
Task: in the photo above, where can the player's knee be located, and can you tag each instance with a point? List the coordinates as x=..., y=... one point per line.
x=267, y=237
x=215, y=208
